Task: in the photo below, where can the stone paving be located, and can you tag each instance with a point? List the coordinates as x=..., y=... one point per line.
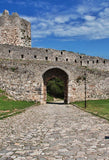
x=54, y=132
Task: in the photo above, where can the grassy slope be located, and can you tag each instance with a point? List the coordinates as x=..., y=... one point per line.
x=97, y=107
x=10, y=107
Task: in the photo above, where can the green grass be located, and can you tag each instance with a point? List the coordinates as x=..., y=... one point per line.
x=96, y=107
x=10, y=107
x=53, y=99
x=1, y=91
x=50, y=98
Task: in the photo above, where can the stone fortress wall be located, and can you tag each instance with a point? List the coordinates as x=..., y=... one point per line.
x=25, y=71
x=14, y=30
x=52, y=55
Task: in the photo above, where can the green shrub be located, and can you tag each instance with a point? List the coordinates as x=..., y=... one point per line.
x=55, y=88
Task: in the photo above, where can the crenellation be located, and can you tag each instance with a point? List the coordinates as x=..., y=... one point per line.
x=25, y=71
x=5, y=12
x=14, y=30
x=41, y=54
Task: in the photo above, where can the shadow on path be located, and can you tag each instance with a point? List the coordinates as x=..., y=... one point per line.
x=59, y=103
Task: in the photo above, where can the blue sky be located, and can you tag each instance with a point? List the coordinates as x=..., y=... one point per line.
x=73, y=25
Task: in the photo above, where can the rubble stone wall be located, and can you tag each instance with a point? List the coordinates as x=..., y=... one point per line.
x=52, y=55
x=14, y=30
x=23, y=80
x=22, y=68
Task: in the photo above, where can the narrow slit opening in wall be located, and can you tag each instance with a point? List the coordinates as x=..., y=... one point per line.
x=66, y=59
x=93, y=62
x=61, y=53
x=56, y=58
x=22, y=56
x=81, y=63
x=75, y=61
x=35, y=56
x=87, y=62
x=9, y=51
x=46, y=58
x=104, y=61
x=97, y=61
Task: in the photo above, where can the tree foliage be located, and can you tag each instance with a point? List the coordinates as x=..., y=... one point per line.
x=55, y=88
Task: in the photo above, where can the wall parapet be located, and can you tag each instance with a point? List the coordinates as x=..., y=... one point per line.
x=52, y=55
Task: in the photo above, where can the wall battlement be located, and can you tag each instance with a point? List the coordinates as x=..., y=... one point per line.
x=14, y=30
x=25, y=71
x=15, y=43
x=52, y=55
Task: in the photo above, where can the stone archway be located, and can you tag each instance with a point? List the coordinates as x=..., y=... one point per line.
x=53, y=73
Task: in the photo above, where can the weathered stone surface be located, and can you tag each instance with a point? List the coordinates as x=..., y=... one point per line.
x=24, y=80
x=14, y=30
x=25, y=71
x=51, y=132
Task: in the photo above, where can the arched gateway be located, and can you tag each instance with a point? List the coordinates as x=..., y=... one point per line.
x=53, y=73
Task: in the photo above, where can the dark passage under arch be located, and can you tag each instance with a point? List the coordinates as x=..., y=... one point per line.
x=55, y=90
x=53, y=73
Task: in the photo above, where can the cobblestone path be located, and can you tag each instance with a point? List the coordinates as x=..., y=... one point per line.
x=54, y=132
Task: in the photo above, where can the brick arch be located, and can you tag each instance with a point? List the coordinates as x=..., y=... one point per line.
x=53, y=73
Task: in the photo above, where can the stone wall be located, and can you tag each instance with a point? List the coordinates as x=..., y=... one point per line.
x=22, y=68
x=51, y=55
x=14, y=30
x=23, y=80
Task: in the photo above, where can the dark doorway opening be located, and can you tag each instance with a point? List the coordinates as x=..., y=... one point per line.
x=55, y=90
x=53, y=76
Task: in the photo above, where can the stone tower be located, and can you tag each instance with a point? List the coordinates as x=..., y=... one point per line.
x=14, y=30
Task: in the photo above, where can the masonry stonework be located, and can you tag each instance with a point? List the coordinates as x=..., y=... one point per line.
x=14, y=30
x=25, y=71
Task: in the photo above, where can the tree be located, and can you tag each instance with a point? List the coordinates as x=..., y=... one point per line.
x=55, y=88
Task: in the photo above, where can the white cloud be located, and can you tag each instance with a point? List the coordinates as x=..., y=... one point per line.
x=104, y=13
x=82, y=9
x=65, y=18
x=30, y=19
x=85, y=22
x=62, y=19
x=89, y=18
